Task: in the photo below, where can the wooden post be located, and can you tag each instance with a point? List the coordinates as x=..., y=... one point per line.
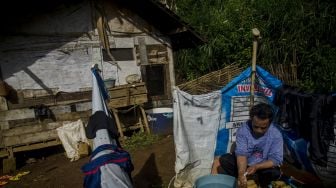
x=143, y=51
x=3, y=93
x=171, y=67
x=145, y=120
x=116, y=116
x=256, y=34
x=9, y=164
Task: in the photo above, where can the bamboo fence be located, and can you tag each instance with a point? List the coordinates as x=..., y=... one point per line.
x=212, y=81
x=218, y=79
x=286, y=73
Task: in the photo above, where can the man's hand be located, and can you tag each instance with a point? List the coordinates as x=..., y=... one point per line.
x=242, y=182
x=263, y=165
x=252, y=169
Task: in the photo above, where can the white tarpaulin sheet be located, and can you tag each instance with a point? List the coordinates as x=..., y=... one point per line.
x=196, y=122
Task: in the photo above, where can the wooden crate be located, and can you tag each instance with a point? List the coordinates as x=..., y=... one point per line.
x=126, y=95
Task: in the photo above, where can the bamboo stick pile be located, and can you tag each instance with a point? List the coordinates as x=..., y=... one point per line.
x=212, y=81
x=218, y=79
x=287, y=73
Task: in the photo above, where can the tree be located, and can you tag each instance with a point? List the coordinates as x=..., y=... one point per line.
x=292, y=30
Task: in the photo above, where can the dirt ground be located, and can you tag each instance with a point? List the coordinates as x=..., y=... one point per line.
x=153, y=167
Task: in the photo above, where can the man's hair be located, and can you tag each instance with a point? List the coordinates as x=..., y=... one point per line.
x=262, y=111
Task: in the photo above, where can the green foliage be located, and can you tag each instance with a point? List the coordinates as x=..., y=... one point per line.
x=139, y=139
x=225, y=29
x=298, y=31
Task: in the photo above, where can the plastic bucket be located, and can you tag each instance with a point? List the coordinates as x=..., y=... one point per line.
x=109, y=83
x=215, y=181
x=160, y=120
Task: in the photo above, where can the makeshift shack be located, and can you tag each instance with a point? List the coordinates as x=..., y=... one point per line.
x=48, y=47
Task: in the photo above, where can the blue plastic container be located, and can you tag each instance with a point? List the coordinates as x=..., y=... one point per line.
x=160, y=120
x=215, y=181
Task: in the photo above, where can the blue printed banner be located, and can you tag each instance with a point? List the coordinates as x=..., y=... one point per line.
x=236, y=103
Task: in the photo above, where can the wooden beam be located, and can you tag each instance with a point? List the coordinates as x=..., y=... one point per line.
x=62, y=98
x=27, y=113
x=17, y=114
x=143, y=51
x=39, y=145
x=31, y=129
x=31, y=146
x=79, y=97
x=3, y=153
x=122, y=102
x=29, y=138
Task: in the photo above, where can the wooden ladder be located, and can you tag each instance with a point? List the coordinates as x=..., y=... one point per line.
x=142, y=122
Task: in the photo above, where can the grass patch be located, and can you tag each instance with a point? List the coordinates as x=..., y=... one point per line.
x=139, y=140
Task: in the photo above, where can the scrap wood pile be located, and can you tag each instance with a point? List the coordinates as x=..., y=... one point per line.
x=212, y=81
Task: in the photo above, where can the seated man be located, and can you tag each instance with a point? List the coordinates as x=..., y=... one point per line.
x=259, y=149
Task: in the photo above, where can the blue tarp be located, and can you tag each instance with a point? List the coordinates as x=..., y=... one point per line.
x=236, y=103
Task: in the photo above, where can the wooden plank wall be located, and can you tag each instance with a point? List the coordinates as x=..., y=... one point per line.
x=118, y=94
x=56, y=57
x=20, y=125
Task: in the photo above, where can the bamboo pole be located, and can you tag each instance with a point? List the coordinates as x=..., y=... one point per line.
x=256, y=35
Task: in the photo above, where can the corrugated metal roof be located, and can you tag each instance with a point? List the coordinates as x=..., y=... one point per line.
x=166, y=21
